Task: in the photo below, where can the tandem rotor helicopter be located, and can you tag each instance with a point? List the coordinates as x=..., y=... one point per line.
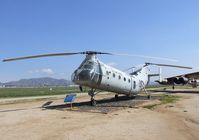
x=97, y=75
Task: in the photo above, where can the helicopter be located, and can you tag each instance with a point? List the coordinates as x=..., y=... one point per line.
x=97, y=75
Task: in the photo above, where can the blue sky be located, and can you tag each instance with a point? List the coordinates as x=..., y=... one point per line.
x=162, y=28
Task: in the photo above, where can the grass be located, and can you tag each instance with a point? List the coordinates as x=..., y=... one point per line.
x=150, y=106
x=27, y=92
x=169, y=87
x=165, y=99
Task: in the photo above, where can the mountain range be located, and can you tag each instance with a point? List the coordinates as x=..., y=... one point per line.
x=37, y=82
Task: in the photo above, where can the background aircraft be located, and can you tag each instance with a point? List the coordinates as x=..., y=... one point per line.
x=184, y=79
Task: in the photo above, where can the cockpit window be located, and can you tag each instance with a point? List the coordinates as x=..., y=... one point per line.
x=88, y=65
x=89, y=71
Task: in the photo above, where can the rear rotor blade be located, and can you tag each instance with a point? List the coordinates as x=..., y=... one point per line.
x=129, y=69
x=149, y=57
x=166, y=65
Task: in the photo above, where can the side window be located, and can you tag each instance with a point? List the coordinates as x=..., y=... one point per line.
x=119, y=77
x=107, y=73
x=129, y=80
x=114, y=75
x=134, y=84
x=124, y=78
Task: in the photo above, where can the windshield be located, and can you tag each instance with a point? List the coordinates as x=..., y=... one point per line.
x=88, y=65
x=88, y=72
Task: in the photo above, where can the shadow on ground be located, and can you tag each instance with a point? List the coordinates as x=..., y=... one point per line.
x=104, y=105
x=176, y=91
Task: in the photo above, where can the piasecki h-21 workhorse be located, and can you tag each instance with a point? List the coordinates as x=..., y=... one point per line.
x=95, y=74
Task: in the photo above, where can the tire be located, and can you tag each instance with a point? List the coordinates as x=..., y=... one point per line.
x=116, y=97
x=93, y=102
x=149, y=97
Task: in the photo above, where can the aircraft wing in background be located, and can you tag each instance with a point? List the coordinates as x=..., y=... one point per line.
x=184, y=79
x=194, y=75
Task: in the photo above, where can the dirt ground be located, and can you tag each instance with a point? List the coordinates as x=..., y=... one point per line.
x=177, y=121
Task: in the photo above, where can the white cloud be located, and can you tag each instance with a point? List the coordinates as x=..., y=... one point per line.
x=47, y=71
x=197, y=68
x=62, y=74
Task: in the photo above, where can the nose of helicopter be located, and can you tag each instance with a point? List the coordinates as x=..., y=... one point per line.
x=88, y=74
x=82, y=76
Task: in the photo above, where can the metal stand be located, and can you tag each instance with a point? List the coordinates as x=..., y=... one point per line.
x=148, y=94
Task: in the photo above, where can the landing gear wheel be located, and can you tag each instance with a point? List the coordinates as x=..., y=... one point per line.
x=93, y=102
x=116, y=97
x=149, y=97
x=133, y=97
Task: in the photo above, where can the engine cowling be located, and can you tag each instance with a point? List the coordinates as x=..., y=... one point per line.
x=163, y=82
x=180, y=80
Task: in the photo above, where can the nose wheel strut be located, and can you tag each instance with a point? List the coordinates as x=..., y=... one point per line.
x=92, y=93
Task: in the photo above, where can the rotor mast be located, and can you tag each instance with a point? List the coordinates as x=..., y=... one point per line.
x=91, y=55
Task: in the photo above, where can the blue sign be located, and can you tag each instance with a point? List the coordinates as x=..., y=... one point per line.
x=70, y=98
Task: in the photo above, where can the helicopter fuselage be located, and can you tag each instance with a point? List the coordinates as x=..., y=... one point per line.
x=97, y=75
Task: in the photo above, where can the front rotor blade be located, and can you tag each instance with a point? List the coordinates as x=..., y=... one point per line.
x=56, y=54
x=166, y=65
x=37, y=56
